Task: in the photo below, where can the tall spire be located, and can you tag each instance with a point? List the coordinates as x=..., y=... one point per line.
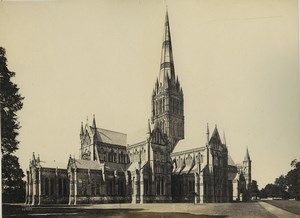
x=166, y=62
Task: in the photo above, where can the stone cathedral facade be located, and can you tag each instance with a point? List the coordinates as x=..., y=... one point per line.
x=111, y=171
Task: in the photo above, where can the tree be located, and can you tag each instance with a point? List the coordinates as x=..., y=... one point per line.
x=285, y=186
x=271, y=190
x=281, y=182
x=293, y=180
x=11, y=102
x=254, y=189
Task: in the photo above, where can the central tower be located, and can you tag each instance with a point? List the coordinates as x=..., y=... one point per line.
x=167, y=97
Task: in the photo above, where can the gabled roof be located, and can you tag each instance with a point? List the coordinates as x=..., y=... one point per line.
x=215, y=137
x=111, y=137
x=188, y=145
x=87, y=164
x=53, y=164
x=230, y=161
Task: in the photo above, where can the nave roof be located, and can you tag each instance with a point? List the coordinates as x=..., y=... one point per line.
x=87, y=164
x=53, y=164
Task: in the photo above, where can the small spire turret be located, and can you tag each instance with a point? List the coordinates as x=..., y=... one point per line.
x=247, y=156
x=94, y=122
x=224, y=138
x=149, y=127
x=81, y=129
x=207, y=133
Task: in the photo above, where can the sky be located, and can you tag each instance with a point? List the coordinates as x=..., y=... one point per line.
x=237, y=62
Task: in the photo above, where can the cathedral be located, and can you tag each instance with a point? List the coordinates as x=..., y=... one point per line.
x=109, y=170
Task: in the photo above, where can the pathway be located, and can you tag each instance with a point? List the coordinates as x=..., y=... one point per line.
x=277, y=211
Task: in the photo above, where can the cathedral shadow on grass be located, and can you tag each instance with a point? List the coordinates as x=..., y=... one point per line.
x=10, y=210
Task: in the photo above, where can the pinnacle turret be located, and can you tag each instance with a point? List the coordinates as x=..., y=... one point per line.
x=81, y=129
x=247, y=156
x=94, y=122
x=207, y=133
x=149, y=127
x=224, y=138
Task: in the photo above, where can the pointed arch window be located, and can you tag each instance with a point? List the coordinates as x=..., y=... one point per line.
x=109, y=156
x=114, y=157
x=46, y=186
x=162, y=186
x=158, y=186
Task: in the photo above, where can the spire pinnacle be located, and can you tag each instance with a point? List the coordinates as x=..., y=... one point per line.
x=94, y=122
x=149, y=127
x=81, y=129
x=207, y=133
x=224, y=138
x=166, y=62
x=247, y=156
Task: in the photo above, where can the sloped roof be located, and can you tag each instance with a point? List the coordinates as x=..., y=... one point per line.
x=215, y=137
x=53, y=164
x=115, y=166
x=87, y=164
x=137, y=136
x=135, y=165
x=111, y=137
x=189, y=169
x=188, y=145
x=230, y=161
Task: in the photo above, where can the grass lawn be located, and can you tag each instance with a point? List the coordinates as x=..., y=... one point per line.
x=288, y=205
x=218, y=210
x=85, y=211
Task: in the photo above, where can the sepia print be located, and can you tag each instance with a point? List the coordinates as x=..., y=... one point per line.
x=155, y=108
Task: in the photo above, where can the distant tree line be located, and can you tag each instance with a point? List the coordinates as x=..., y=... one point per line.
x=285, y=187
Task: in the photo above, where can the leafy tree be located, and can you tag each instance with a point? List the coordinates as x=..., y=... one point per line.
x=263, y=193
x=293, y=180
x=11, y=102
x=285, y=186
x=254, y=189
x=281, y=182
x=272, y=190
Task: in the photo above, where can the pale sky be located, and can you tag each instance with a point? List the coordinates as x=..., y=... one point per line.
x=237, y=62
